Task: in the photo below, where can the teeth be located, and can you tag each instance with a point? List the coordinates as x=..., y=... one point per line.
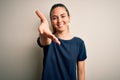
x=60, y=25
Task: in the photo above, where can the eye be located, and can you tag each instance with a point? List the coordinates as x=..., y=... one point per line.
x=54, y=18
x=63, y=16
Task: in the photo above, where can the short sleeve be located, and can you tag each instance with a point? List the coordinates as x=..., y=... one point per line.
x=82, y=52
x=38, y=42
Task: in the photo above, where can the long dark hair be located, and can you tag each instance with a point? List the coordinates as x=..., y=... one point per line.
x=55, y=6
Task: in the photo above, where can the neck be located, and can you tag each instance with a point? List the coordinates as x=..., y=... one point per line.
x=64, y=35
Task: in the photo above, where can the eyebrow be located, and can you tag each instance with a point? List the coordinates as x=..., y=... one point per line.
x=56, y=15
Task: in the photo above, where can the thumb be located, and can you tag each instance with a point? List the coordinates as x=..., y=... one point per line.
x=40, y=29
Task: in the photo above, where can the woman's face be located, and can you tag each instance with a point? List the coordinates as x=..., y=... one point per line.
x=60, y=19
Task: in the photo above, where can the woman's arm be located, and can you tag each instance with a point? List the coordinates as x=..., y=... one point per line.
x=81, y=70
x=46, y=35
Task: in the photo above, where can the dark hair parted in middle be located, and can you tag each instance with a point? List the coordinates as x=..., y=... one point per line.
x=59, y=5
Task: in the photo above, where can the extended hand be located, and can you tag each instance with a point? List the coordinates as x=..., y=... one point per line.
x=44, y=28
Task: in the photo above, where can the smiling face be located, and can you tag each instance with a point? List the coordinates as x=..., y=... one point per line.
x=60, y=19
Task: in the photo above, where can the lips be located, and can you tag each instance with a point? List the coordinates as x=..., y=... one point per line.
x=60, y=25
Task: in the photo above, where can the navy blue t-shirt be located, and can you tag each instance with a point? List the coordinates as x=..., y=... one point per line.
x=60, y=61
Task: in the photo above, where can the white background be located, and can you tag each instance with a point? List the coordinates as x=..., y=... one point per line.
x=97, y=22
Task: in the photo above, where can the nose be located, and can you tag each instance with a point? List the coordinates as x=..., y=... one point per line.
x=59, y=19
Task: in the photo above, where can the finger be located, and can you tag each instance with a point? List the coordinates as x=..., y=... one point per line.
x=55, y=39
x=40, y=15
x=52, y=37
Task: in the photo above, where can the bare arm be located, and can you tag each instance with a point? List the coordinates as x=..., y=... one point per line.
x=46, y=35
x=81, y=70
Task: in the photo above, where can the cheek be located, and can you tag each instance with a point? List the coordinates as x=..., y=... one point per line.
x=53, y=22
x=68, y=20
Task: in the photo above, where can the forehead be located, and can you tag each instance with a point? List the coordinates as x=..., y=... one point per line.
x=58, y=10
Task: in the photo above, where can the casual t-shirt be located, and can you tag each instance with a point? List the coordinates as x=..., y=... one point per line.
x=59, y=62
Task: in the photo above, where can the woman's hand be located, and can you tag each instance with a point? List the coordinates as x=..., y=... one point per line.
x=44, y=28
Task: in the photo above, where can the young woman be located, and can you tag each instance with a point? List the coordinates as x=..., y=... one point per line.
x=62, y=51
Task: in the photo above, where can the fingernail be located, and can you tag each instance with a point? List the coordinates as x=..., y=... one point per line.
x=59, y=43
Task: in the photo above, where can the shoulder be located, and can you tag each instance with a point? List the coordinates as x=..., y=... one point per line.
x=78, y=39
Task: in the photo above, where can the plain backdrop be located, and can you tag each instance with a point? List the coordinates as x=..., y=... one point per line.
x=97, y=22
